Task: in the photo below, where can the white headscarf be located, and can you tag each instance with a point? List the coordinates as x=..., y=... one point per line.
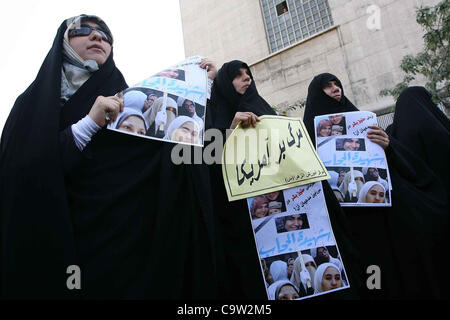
x=134, y=99
x=319, y=275
x=365, y=189
x=124, y=115
x=295, y=277
x=348, y=178
x=335, y=261
x=274, y=288
x=175, y=124
x=278, y=270
x=76, y=71
x=334, y=179
x=158, y=105
x=311, y=269
x=199, y=120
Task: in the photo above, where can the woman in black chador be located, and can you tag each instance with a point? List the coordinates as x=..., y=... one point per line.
x=398, y=239
x=74, y=193
x=234, y=99
x=425, y=130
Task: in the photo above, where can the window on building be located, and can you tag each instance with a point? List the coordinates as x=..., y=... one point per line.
x=294, y=20
x=282, y=8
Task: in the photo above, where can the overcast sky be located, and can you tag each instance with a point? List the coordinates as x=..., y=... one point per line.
x=147, y=38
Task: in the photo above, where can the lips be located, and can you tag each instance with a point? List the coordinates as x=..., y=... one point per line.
x=96, y=46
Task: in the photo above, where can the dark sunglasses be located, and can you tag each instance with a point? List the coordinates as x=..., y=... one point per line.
x=85, y=30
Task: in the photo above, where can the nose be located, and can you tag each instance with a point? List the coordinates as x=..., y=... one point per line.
x=95, y=35
x=246, y=77
x=335, y=88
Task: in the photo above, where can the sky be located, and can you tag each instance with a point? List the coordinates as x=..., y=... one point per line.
x=147, y=38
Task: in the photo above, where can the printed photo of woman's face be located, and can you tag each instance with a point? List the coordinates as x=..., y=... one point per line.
x=375, y=194
x=133, y=124
x=331, y=279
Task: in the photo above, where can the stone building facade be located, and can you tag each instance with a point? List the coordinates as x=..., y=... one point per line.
x=360, y=41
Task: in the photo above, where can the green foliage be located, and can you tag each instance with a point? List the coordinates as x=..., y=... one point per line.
x=285, y=111
x=433, y=62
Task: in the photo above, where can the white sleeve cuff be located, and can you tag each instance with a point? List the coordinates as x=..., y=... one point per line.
x=208, y=92
x=83, y=131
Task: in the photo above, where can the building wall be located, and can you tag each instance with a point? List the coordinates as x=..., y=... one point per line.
x=366, y=61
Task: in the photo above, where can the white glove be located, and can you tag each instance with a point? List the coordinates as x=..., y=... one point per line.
x=304, y=276
x=161, y=118
x=352, y=188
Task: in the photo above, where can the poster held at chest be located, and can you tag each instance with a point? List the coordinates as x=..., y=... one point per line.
x=298, y=253
x=358, y=167
x=168, y=106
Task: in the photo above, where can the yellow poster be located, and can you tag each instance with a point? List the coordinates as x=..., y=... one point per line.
x=277, y=154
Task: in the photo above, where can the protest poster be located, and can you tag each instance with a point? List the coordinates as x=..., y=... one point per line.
x=293, y=233
x=168, y=106
x=276, y=154
x=275, y=167
x=358, y=167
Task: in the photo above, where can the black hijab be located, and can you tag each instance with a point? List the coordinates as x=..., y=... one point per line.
x=380, y=232
x=319, y=103
x=225, y=101
x=424, y=129
x=137, y=225
x=421, y=127
x=236, y=243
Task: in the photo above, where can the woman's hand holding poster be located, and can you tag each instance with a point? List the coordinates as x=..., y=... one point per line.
x=358, y=167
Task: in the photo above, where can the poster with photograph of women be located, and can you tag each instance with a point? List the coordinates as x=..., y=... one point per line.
x=304, y=224
x=360, y=186
x=266, y=204
x=304, y=274
x=168, y=106
x=357, y=166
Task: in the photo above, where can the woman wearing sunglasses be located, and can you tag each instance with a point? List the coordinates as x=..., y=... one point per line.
x=74, y=193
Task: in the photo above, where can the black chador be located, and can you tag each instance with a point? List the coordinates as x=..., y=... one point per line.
x=397, y=239
x=135, y=224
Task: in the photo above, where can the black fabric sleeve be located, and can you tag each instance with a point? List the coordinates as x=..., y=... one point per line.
x=71, y=156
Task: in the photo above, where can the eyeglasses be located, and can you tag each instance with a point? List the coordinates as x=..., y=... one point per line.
x=86, y=30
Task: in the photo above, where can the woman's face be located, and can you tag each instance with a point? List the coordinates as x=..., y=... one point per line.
x=336, y=119
x=331, y=279
x=335, y=131
x=272, y=195
x=172, y=109
x=187, y=132
x=242, y=81
x=375, y=194
x=333, y=90
x=133, y=124
x=169, y=73
x=290, y=267
x=325, y=131
x=262, y=210
x=190, y=107
x=287, y=292
x=274, y=211
x=92, y=46
x=293, y=223
x=351, y=145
